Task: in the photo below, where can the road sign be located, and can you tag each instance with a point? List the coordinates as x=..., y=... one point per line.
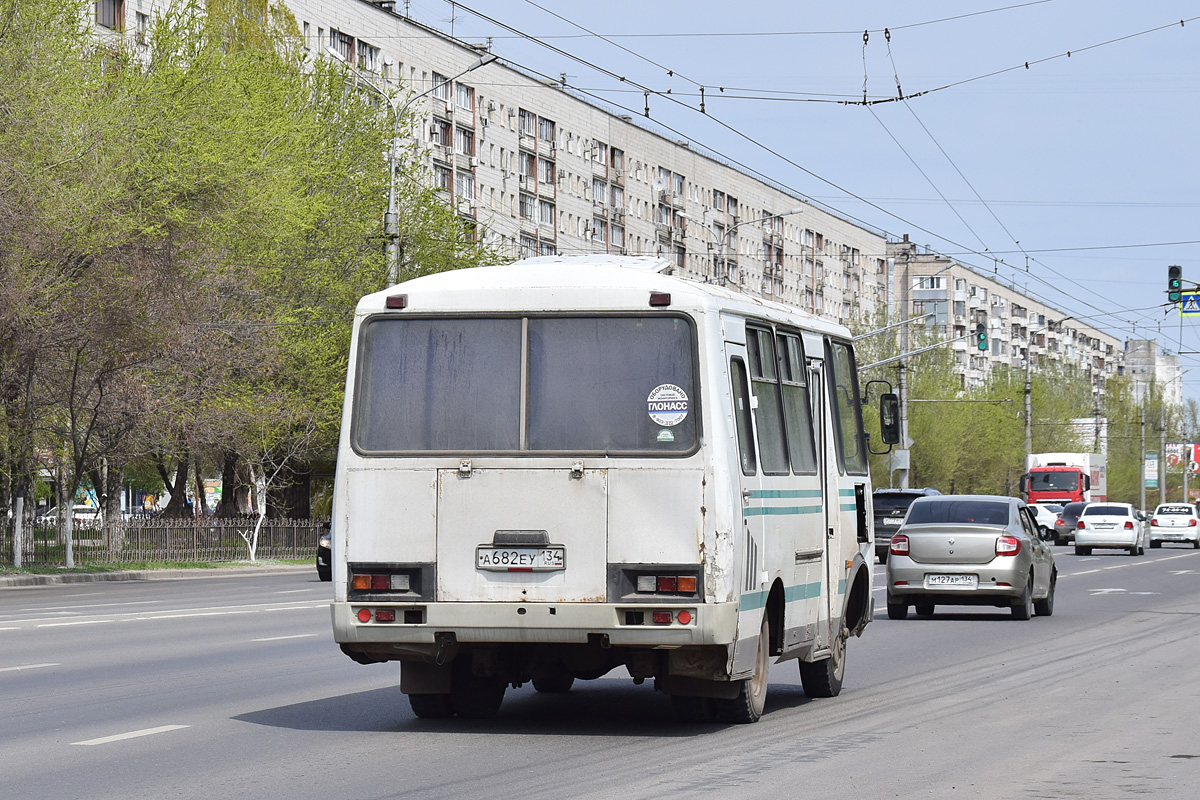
x=1189, y=304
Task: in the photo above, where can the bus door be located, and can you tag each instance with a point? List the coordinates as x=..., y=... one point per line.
x=827, y=471
x=751, y=572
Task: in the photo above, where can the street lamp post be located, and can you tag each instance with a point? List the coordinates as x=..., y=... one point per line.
x=727, y=237
x=391, y=219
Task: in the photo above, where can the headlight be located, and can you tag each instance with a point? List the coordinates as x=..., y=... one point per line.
x=324, y=541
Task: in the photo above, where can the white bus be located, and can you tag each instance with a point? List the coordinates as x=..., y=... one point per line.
x=564, y=466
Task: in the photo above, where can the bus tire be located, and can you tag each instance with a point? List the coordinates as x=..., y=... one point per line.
x=431, y=706
x=824, y=678
x=474, y=696
x=694, y=709
x=752, y=698
x=554, y=682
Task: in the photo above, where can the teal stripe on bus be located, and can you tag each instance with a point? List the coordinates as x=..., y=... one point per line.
x=752, y=601
x=776, y=493
x=776, y=511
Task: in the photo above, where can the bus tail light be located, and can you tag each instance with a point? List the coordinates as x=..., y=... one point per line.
x=899, y=545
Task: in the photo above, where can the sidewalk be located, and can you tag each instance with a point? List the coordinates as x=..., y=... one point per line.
x=154, y=574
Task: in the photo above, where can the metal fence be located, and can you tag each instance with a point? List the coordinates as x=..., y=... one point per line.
x=178, y=540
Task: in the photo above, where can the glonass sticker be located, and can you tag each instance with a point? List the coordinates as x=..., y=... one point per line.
x=667, y=405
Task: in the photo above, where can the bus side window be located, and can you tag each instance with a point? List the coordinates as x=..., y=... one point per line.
x=764, y=381
x=797, y=413
x=741, y=416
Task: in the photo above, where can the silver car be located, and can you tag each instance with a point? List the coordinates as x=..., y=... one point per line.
x=1111, y=525
x=970, y=550
x=1175, y=522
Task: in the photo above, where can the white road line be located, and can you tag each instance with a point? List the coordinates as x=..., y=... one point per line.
x=80, y=622
x=10, y=629
x=281, y=638
x=27, y=666
x=133, y=734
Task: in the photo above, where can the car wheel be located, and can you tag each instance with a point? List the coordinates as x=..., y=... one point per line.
x=1082, y=551
x=325, y=574
x=883, y=557
x=694, y=709
x=1023, y=609
x=1196, y=545
x=824, y=678
x=924, y=609
x=1045, y=606
x=474, y=696
x=752, y=698
x=431, y=706
x=897, y=610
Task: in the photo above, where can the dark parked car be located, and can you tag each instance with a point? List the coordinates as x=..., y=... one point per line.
x=1068, y=520
x=890, y=506
x=324, y=559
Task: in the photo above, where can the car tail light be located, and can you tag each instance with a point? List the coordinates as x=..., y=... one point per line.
x=1154, y=523
x=1081, y=526
x=1191, y=523
x=667, y=583
x=1058, y=522
x=687, y=583
x=899, y=545
x=1128, y=525
x=1008, y=546
x=684, y=617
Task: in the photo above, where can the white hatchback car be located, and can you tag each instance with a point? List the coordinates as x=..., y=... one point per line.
x=1111, y=525
x=1175, y=522
x=1046, y=515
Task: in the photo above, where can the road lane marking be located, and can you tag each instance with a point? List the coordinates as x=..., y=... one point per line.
x=27, y=666
x=78, y=622
x=132, y=734
x=281, y=638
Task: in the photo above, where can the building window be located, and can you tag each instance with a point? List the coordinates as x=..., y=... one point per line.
x=111, y=14
x=528, y=123
x=464, y=142
x=545, y=171
x=599, y=230
x=617, y=235
x=441, y=133
x=442, y=177
x=677, y=184
x=617, y=161
x=618, y=197
x=343, y=44
x=464, y=185
x=546, y=212
x=527, y=165
x=464, y=97
x=545, y=129
x=368, y=57
x=546, y=248
x=441, y=87
x=599, y=191
x=731, y=205
x=599, y=152
x=529, y=246
x=529, y=205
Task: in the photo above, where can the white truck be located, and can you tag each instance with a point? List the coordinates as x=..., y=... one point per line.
x=1065, y=478
x=557, y=468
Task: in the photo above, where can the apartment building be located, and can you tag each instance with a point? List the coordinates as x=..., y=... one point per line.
x=542, y=170
x=1019, y=327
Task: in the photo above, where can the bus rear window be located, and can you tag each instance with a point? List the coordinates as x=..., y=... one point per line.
x=611, y=384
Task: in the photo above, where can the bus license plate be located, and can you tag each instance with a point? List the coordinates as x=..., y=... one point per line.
x=969, y=581
x=520, y=559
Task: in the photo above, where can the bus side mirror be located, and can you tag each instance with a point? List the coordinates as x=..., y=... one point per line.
x=889, y=418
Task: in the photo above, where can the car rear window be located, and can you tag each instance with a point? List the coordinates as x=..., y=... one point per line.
x=1107, y=511
x=893, y=502
x=1185, y=510
x=979, y=512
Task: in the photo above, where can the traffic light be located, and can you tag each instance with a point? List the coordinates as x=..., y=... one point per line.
x=981, y=335
x=1174, y=283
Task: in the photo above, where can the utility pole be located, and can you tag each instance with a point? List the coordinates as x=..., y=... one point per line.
x=903, y=377
x=1142, y=463
x=1162, y=450
x=1028, y=402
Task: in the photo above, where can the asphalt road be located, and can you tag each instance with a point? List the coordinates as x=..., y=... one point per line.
x=231, y=687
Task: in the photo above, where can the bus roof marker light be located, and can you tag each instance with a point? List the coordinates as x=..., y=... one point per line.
x=397, y=301
x=660, y=299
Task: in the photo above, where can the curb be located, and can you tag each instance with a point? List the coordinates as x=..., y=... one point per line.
x=151, y=575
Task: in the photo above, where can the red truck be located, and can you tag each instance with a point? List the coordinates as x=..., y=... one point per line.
x=1065, y=478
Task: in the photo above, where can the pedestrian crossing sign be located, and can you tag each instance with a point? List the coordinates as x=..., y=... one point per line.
x=1189, y=304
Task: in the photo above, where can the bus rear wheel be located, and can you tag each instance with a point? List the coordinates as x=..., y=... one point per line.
x=431, y=706
x=824, y=678
x=752, y=699
x=474, y=696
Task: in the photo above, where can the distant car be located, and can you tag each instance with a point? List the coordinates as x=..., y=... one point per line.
x=890, y=506
x=1046, y=515
x=1068, y=519
x=84, y=516
x=970, y=550
x=324, y=558
x=1110, y=525
x=1175, y=522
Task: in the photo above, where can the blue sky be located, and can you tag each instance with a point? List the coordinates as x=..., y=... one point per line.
x=1062, y=166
